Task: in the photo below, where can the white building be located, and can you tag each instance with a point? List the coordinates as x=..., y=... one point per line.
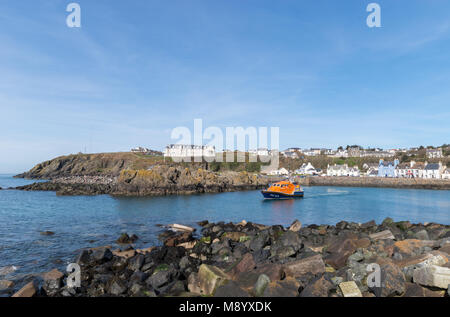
x=433, y=170
x=140, y=150
x=306, y=169
x=446, y=174
x=421, y=170
x=343, y=170
x=185, y=151
x=282, y=171
x=434, y=153
x=340, y=153
x=312, y=152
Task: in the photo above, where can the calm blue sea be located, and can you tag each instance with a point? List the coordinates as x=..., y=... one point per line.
x=80, y=222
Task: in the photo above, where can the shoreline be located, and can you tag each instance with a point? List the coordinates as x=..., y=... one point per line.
x=406, y=183
x=248, y=259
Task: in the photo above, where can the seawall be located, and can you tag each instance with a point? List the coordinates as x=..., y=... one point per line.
x=441, y=184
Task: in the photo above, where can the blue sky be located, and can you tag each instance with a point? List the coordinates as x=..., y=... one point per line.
x=137, y=69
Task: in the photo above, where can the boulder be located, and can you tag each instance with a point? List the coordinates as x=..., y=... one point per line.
x=235, y=236
x=53, y=281
x=29, y=290
x=415, y=290
x=409, y=265
x=125, y=254
x=261, y=284
x=435, y=276
x=393, y=282
x=246, y=264
x=178, y=239
x=101, y=255
x=288, y=287
x=126, y=239
x=386, y=234
x=230, y=289
x=412, y=247
x=339, y=252
x=422, y=235
x=5, y=285
x=313, y=264
x=210, y=278
x=178, y=227
x=295, y=226
x=117, y=287
x=350, y=289
x=318, y=288
x=274, y=271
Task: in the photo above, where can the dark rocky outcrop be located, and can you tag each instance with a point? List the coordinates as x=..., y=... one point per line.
x=246, y=259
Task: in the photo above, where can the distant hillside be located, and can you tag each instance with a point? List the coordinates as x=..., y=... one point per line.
x=105, y=164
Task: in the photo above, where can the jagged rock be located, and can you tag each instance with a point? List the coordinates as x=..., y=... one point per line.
x=230, y=289
x=101, y=255
x=386, y=234
x=126, y=239
x=296, y=226
x=339, y=251
x=319, y=288
x=29, y=290
x=286, y=288
x=210, y=278
x=433, y=275
x=350, y=289
x=313, y=264
x=415, y=290
x=410, y=264
x=5, y=285
x=246, y=264
x=261, y=284
x=412, y=247
x=117, y=287
x=369, y=224
x=125, y=254
x=136, y=263
x=422, y=235
x=53, y=281
x=393, y=282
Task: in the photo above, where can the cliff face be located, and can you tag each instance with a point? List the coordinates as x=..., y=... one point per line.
x=106, y=164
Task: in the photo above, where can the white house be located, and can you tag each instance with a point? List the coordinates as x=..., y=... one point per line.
x=340, y=153
x=306, y=169
x=446, y=174
x=434, y=153
x=185, y=151
x=433, y=170
x=343, y=170
x=312, y=152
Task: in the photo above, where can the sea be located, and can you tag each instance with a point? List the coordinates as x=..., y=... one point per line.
x=91, y=221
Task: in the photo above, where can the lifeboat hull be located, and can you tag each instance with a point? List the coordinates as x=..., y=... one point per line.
x=278, y=195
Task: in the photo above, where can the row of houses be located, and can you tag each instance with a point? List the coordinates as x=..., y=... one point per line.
x=409, y=170
x=356, y=151
x=392, y=169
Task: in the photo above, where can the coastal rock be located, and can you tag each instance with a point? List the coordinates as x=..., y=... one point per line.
x=313, y=264
x=350, y=289
x=230, y=289
x=295, y=226
x=433, y=275
x=415, y=290
x=29, y=290
x=53, y=281
x=261, y=284
x=246, y=264
x=47, y=233
x=126, y=239
x=318, y=288
x=393, y=282
x=5, y=285
x=210, y=278
x=101, y=255
x=340, y=250
x=286, y=288
x=386, y=234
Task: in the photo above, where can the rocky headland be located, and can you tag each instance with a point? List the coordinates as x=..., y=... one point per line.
x=252, y=260
x=160, y=180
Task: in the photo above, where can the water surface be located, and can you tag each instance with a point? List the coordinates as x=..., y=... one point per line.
x=80, y=222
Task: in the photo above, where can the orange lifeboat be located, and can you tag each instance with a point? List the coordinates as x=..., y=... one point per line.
x=283, y=190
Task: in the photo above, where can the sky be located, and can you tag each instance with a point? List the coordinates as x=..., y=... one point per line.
x=136, y=70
